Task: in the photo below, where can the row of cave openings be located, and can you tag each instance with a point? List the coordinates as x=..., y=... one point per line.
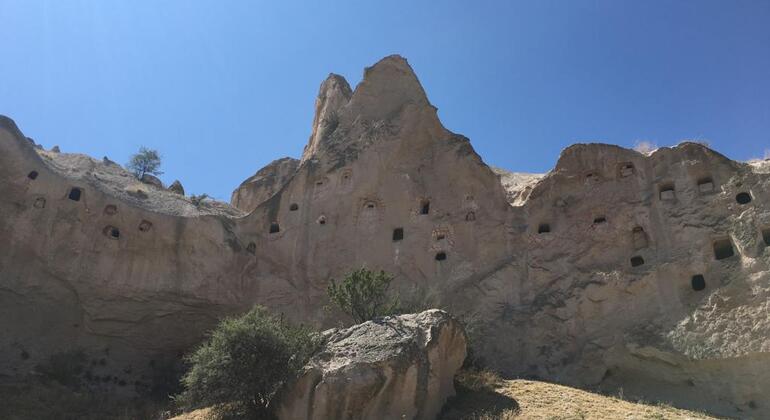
x=76, y=193
x=398, y=233
x=666, y=190
x=705, y=185
x=723, y=247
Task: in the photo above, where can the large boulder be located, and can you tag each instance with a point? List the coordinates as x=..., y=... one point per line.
x=399, y=367
x=152, y=180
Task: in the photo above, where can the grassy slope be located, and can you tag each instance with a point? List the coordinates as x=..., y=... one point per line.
x=483, y=396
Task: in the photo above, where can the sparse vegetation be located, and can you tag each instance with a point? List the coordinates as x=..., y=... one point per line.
x=364, y=295
x=241, y=368
x=146, y=161
x=197, y=200
x=483, y=395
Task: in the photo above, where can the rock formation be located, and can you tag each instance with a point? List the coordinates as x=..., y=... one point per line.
x=615, y=269
x=395, y=367
x=262, y=185
x=176, y=187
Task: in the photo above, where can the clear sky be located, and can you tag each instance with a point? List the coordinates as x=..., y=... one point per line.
x=222, y=88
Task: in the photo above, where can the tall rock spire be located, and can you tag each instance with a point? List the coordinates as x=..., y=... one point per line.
x=334, y=94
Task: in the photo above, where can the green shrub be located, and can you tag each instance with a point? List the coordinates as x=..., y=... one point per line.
x=363, y=295
x=243, y=365
x=197, y=200
x=146, y=161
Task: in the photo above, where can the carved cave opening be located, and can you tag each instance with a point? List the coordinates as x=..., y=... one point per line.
x=424, y=207
x=111, y=232
x=294, y=207
x=274, y=227
x=637, y=261
x=705, y=184
x=543, y=228
x=145, y=226
x=32, y=175
x=441, y=256
x=698, y=282
x=398, y=234
x=666, y=192
x=743, y=198
x=626, y=169
x=75, y=194
x=723, y=248
x=639, y=237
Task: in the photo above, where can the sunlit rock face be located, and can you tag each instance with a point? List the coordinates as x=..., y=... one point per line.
x=398, y=367
x=615, y=269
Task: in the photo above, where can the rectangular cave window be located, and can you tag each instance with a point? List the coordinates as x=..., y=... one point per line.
x=723, y=248
x=424, y=207
x=705, y=185
x=766, y=235
x=294, y=207
x=441, y=256
x=600, y=220
x=639, y=237
x=74, y=194
x=667, y=192
x=398, y=234
x=626, y=169
x=543, y=228
x=636, y=261
x=274, y=227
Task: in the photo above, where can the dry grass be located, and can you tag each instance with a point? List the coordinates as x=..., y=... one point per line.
x=485, y=396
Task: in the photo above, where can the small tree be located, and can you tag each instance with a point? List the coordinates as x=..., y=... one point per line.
x=242, y=366
x=363, y=294
x=146, y=161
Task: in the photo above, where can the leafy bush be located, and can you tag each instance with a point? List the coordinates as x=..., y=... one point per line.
x=146, y=161
x=197, y=200
x=363, y=295
x=243, y=365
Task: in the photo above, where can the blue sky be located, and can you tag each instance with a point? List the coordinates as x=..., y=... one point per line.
x=221, y=88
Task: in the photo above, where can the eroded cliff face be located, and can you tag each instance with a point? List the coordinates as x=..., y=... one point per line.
x=649, y=272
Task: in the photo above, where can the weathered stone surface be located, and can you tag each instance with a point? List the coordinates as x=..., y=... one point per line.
x=604, y=298
x=176, y=187
x=152, y=180
x=264, y=184
x=399, y=367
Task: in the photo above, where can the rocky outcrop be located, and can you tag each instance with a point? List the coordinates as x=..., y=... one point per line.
x=264, y=184
x=649, y=272
x=399, y=367
x=176, y=188
x=152, y=180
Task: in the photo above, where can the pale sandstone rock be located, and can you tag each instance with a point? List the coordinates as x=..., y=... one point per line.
x=399, y=367
x=572, y=305
x=264, y=184
x=176, y=188
x=152, y=180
